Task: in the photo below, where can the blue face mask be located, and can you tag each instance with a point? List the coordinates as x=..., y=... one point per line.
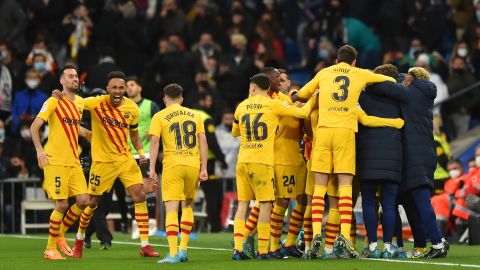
x=4, y=54
x=323, y=54
x=477, y=13
x=39, y=66
x=2, y=135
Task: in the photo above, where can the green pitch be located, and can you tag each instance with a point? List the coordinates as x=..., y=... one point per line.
x=208, y=252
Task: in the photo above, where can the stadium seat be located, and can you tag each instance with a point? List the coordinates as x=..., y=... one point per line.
x=200, y=211
x=34, y=205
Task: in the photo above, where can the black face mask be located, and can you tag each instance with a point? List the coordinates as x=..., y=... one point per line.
x=14, y=170
x=236, y=50
x=229, y=127
x=458, y=71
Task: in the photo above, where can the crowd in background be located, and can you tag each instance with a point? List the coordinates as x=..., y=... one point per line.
x=212, y=47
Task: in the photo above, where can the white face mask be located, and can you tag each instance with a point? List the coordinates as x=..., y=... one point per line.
x=454, y=173
x=25, y=133
x=32, y=83
x=477, y=161
x=462, y=52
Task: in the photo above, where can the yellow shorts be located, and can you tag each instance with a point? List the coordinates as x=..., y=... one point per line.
x=255, y=182
x=179, y=183
x=62, y=182
x=332, y=186
x=334, y=151
x=310, y=182
x=290, y=180
x=103, y=175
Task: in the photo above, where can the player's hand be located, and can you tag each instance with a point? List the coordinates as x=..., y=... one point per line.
x=42, y=158
x=203, y=176
x=142, y=159
x=57, y=94
x=154, y=178
x=398, y=122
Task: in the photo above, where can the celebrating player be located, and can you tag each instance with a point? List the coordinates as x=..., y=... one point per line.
x=340, y=86
x=184, y=162
x=63, y=173
x=256, y=120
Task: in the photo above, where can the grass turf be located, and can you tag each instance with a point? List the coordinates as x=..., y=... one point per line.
x=26, y=253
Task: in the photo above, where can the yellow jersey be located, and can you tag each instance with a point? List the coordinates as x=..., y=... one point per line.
x=256, y=121
x=287, y=139
x=63, y=118
x=111, y=127
x=178, y=128
x=339, y=87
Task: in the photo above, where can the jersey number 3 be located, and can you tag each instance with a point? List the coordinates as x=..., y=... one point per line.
x=258, y=129
x=189, y=130
x=343, y=82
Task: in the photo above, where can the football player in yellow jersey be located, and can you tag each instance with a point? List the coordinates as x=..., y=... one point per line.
x=60, y=160
x=340, y=86
x=114, y=115
x=184, y=163
x=256, y=121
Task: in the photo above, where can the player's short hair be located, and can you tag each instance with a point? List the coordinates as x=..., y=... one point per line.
x=267, y=70
x=173, y=90
x=117, y=75
x=282, y=71
x=346, y=54
x=261, y=80
x=135, y=79
x=387, y=70
x=419, y=73
x=67, y=67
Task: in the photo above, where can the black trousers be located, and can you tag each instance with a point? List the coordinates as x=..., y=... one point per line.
x=214, y=196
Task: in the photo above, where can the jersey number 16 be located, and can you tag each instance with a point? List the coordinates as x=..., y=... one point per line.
x=258, y=129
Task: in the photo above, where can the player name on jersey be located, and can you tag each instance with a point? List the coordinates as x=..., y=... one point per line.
x=173, y=114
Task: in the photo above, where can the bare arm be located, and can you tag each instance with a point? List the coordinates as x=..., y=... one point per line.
x=303, y=112
x=202, y=139
x=42, y=157
x=85, y=133
x=154, y=145
x=137, y=143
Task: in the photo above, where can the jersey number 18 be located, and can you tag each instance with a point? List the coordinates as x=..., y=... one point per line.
x=189, y=130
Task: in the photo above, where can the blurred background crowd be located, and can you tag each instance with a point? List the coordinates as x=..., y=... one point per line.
x=213, y=47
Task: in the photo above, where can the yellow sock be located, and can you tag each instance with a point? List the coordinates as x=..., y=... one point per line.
x=332, y=227
x=296, y=222
x=345, y=207
x=421, y=249
x=141, y=216
x=54, y=231
x=251, y=223
x=263, y=237
x=171, y=227
x=318, y=206
x=186, y=224
x=238, y=234
x=276, y=225
x=85, y=219
x=72, y=215
x=307, y=226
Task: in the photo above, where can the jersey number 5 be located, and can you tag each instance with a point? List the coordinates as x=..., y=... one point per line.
x=188, y=130
x=258, y=128
x=344, y=82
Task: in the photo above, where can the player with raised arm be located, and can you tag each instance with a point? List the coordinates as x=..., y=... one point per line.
x=185, y=148
x=256, y=121
x=334, y=144
x=60, y=160
x=113, y=116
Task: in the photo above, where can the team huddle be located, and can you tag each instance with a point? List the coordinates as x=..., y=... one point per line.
x=271, y=169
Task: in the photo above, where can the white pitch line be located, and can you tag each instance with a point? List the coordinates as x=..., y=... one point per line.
x=428, y=263
x=224, y=249
x=113, y=242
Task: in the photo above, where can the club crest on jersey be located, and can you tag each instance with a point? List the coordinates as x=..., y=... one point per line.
x=126, y=114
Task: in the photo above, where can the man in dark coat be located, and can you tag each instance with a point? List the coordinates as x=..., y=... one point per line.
x=379, y=155
x=419, y=156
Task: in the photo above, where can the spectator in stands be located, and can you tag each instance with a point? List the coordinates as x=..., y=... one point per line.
x=423, y=61
x=229, y=146
x=6, y=87
x=240, y=20
x=205, y=20
x=77, y=27
x=458, y=108
x=472, y=165
x=40, y=47
x=172, y=20
x=393, y=19
x=27, y=103
x=47, y=78
x=367, y=42
x=15, y=66
x=3, y=158
x=13, y=23
x=97, y=75
x=204, y=49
